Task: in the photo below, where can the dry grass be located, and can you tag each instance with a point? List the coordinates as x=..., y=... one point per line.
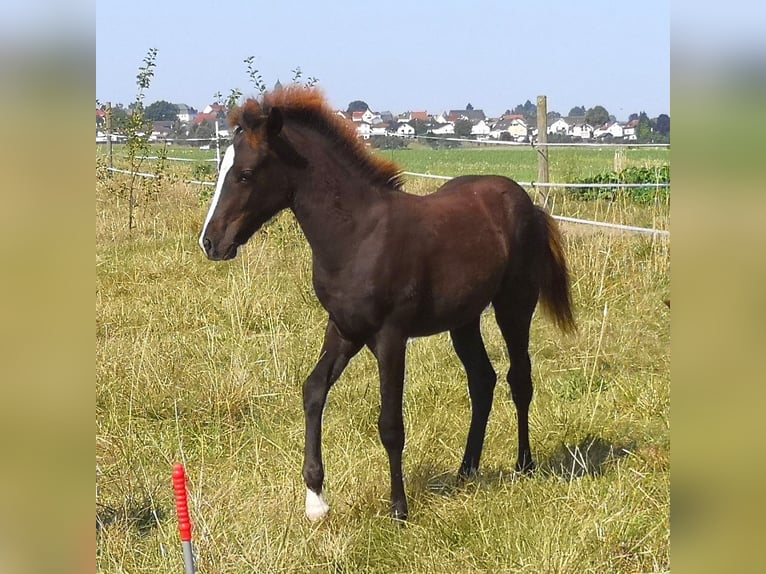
x=203, y=363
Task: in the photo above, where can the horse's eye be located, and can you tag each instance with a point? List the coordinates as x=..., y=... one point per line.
x=246, y=175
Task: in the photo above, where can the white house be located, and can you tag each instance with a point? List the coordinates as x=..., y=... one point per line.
x=446, y=129
x=629, y=130
x=560, y=126
x=185, y=113
x=405, y=131
x=480, y=129
x=609, y=129
x=365, y=116
x=518, y=129
x=363, y=130
x=584, y=131
x=379, y=130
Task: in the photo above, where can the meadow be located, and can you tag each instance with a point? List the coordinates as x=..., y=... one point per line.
x=203, y=363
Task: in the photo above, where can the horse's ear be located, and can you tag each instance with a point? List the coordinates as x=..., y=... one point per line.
x=274, y=122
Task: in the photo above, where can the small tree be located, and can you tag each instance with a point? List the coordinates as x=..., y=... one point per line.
x=597, y=116
x=463, y=128
x=662, y=124
x=644, y=130
x=137, y=131
x=160, y=111
x=357, y=106
x=577, y=111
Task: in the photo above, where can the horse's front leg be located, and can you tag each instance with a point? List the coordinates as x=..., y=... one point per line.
x=389, y=349
x=336, y=353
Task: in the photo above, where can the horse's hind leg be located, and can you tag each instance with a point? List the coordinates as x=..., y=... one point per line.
x=481, y=386
x=335, y=355
x=514, y=307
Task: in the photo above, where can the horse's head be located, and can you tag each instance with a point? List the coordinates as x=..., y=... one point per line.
x=254, y=184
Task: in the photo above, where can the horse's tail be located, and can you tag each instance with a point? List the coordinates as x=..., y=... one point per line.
x=555, y=295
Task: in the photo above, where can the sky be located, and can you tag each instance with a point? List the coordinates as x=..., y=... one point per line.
x=398, y=56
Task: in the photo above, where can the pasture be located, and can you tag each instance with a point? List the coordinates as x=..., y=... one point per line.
x=203, y=363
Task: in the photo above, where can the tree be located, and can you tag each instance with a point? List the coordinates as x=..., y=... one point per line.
x=421, y=127
x=120, y=118
x=632, y=117
x=553, y=116
x=463, y=128
x=577, y=111
x=644, y=130
x=161, y=111
x=662, y=124
x=528, y=110
x=357, y=106
x=597, y=116
x=468, y=106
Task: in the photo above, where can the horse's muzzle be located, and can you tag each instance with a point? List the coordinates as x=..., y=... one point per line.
x=215, y=254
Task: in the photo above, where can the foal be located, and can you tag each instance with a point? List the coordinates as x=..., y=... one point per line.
x=388, y=265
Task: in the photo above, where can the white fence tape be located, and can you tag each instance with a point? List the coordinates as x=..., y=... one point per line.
x=154, y=176
x=647, y=230
x=541, y=144
x=540, y=184
x=618, y=226
x=174, y=158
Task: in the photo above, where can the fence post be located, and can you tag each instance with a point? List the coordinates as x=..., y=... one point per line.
x=217, y=148
x=109, y=135
x=542, y=138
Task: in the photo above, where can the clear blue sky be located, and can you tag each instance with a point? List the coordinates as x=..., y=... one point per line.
x=396, y=55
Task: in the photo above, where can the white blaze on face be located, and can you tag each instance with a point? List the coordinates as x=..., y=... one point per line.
x=226, y=163
x=316, y=506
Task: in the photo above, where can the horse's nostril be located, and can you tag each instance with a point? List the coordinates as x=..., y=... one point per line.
x=206, y=243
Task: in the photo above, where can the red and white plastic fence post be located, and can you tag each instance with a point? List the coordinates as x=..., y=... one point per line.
x=184, y=523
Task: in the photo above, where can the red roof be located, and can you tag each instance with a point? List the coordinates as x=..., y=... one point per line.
x=199, y=118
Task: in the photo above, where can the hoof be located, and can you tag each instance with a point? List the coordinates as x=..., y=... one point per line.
x=399, y=513
x=466, y=474
x=316, y=506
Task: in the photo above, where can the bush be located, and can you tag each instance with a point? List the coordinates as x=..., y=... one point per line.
x=632, y=175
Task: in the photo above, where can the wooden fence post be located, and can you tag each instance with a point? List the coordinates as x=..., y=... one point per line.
x=109, y=134
x=542, y=138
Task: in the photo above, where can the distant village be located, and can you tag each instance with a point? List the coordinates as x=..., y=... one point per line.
x=191, y=125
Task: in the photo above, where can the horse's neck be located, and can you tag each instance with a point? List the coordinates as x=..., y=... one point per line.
x=334, y=222
x=335, y=207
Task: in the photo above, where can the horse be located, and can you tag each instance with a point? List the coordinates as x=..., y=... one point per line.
x=389, y=266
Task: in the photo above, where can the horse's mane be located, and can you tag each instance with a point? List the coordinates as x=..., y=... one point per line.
x=309, y=107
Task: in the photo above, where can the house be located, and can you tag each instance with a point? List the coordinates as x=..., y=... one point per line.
x=473, y=116
x=609, y=129
x=410, y=116
x=363, y=130
x=560, y=126
x=630, y=130
x=185, y=113
x=365, y=116
x=480, y=129
x=381, y=129
x=446, y=129
x=583, y=131
x=160, y=130
x=513, y=125
x=405, y=131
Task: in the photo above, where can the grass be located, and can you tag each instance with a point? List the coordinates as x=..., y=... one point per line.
x=203, y=363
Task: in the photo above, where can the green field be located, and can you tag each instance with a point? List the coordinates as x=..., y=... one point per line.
x=203, y=363
x=519, y=163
